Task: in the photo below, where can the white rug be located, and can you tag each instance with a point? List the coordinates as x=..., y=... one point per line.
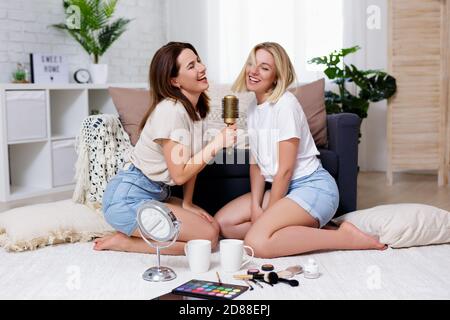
x=75, y=271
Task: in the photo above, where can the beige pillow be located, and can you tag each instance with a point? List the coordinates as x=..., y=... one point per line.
x=36, y=226
x=312, y=99
x=131, y=104
x=403, y=225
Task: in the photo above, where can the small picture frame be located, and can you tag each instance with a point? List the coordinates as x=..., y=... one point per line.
x=48, y=68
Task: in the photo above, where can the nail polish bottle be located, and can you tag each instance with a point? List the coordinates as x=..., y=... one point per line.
x=311, y=269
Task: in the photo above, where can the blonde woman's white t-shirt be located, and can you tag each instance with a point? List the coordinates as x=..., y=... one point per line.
x=270, y=123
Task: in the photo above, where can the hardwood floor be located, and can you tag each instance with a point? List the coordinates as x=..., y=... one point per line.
x=407, y=188
x=372, y=191
x=48, y=198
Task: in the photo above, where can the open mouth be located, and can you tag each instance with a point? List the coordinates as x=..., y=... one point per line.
x=253, y=80
x=203, y=78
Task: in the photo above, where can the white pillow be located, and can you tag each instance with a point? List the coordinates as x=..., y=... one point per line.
x=403, y=225
x=36, y=226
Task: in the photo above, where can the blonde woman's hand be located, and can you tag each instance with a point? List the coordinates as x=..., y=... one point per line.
x=227, y=137
x=256, y=212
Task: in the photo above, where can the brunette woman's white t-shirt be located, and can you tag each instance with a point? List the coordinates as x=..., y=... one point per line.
x=268, y=124
x=169, y=120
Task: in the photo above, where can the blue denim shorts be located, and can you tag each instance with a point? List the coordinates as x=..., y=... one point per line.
x=317, y=193
x=125, y=193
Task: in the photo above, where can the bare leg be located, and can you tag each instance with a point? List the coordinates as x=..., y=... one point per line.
x=234, y=217
x=192, y=227
x=287, y=229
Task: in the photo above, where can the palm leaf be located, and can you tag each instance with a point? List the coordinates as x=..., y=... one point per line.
x=96, y=33
x=110, y=33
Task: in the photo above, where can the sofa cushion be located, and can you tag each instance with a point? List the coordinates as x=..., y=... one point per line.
x=329, y=161
x=312, y=99
x=131, y=104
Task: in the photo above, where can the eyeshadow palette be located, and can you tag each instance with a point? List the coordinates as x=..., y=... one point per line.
x=209, y=290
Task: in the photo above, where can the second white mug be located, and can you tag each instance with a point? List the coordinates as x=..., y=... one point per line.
x=232, y=254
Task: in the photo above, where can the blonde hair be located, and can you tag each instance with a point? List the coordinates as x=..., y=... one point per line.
x=285, y=73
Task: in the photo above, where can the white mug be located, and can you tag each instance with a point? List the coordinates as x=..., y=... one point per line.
x=232, y=253
x=198, y=253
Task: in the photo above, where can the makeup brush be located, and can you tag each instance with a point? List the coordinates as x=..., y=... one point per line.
x=270, y=277
x=292, y=283
x=248, y=284
x=257, y=283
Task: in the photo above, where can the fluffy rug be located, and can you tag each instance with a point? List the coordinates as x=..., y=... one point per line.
x=75, y=271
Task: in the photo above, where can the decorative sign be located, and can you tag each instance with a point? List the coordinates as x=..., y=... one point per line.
x=48, y=68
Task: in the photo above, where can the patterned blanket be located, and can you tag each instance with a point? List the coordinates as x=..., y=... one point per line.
x=103, y=147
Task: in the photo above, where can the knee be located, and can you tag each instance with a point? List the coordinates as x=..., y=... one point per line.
x=212, y=234
x=260, y=245
x=221, y=219
x=109, y=215
x=223, y=223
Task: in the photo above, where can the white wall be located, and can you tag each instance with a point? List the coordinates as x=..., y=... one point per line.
x=24, y=29
x=373, y=146
x=188, y=21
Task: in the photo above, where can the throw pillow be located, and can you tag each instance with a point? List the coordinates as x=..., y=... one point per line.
x=36, y=226
x=131, y=104
x=312, y=99
x=403, y=225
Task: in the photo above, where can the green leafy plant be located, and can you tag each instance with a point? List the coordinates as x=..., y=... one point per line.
x=95, y=30
x=373, y=85
x=20, y=74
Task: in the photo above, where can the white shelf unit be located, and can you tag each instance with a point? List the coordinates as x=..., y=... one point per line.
x=38, y=127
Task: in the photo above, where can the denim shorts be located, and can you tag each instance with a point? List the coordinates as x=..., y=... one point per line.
x=316, y=193
x=125, y=193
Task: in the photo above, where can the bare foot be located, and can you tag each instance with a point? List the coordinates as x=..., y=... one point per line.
x=359, y=239
x=116, y=242
x=102, y=239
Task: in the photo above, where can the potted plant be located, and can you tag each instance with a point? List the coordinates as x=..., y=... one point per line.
x=372, y=85
x=20, y=74
x=95, y=30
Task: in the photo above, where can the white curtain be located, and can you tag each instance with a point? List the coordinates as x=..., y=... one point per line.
x=305, y=28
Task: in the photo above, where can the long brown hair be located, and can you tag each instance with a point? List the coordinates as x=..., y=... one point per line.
x=163, y=67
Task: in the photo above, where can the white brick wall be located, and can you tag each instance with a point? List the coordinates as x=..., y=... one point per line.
x=24, y=29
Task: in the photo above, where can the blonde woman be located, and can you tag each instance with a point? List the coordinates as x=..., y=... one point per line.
x=288, y=219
